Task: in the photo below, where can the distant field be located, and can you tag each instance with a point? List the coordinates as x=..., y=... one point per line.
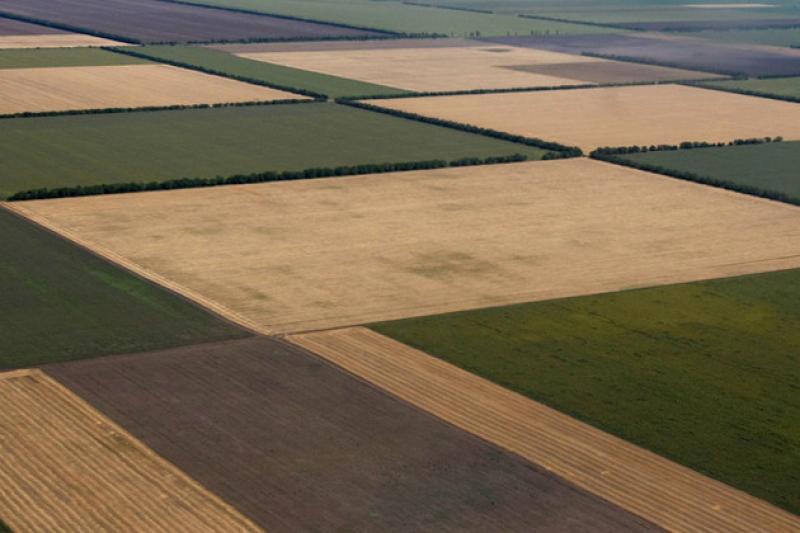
x=16, y=34
x=85, y=150
x=789, y=87
x=64, y=57
x=60, y=303
x=705, y=374
x=227, y=63
x=616, y=116
x=152, y=21
x=121, y=86
x=774, y=37
x=399, y=17
x=771, y=167
x=653, y=16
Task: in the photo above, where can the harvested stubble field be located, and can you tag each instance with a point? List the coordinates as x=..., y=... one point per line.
x=616, y=116
x=671, y=496
x=468, y=67
x=59, y=302
x=121, y=86
x=298, y=445
x=152, y=21
x=66, y=467
x=17, y=34
x=204, y=143
x=323, y=253
x=702, y=373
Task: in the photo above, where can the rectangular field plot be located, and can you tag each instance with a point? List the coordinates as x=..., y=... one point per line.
x=616, y=116
x=205, y=143
x=316, y=254
x=64, y=57
x=152, y=21
x=17, y=34
x=298, y=445
x=128, y=86
x=781, y=87
x=467, y=67
x=65, y=467
x=703, y=373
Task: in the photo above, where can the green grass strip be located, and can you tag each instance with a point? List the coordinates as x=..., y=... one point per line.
x=64, y=57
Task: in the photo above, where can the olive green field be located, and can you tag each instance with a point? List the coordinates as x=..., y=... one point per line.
x=706, y=374
x=780, y=87
x=63, y=57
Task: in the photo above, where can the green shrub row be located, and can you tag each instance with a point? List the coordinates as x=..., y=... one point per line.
x=747, y=92
x=107, y=110
x=569, y=21
x=685, y=145
x=260, y=177
x=68, y=27
x=556, y=150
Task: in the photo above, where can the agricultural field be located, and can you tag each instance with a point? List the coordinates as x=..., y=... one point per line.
x=220, y=61
x=314, y=254
x=677, y=51
x=205, y=143
x=465, y=65
x=52, y=439
x=153, y=21
x=60, y=302
x=788, y=88
x=371, y=464
x=704, y=374
x=616, y=116
x=64, y=57
x=770, y=37
x=771, y=168
x=18, y=34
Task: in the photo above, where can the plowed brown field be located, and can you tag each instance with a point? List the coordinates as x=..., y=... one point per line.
x=616, y=116
x=646, y=484
x=65, y=467
x=69, y=88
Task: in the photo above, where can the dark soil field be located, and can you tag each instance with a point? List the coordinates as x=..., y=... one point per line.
x=610, y=72
x=152, y=21
x=678, y=52
x=59, y=303
x=298, y=445
x=705, y=374
x=15, y=27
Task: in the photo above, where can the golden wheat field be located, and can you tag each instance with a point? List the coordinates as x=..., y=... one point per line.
x=66, y=467
x=54, y=40
x=70, y=88
x=311, y=254
x=616, y=116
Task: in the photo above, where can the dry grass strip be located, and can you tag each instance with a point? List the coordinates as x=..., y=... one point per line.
x=54, y=40
x=670, y=495
x=65, y=467
x=71, y=88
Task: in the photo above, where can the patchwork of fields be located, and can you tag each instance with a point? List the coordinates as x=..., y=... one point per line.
x=357, y=265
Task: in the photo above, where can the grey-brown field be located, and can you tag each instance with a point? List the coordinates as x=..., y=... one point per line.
x=299, y=445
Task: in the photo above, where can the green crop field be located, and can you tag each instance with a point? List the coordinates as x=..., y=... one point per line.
x=774, y=37
x=770, y=167
x=633, y=12
x=786, y=87
x=706, y=374
x=223, y=62
x=205, y=143
x=404, y=18
x=59, y=303
x=63, y=57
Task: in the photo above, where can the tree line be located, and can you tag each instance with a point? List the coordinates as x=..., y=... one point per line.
x=685, y=145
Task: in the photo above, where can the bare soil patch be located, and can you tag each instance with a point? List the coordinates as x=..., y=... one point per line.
x=70, y=88
x=298, y=445
x=66, y=467
x=617, y=116
x=323, y=253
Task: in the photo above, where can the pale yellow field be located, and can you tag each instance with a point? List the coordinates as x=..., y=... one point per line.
x=55, y=40
x=66, y=467
x=459, y=68
x=616, y=116
x=669, y=495
x=69, y=88
x=297, y=256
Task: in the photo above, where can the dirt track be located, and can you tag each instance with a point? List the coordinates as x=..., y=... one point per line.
x=665, y=493
x=65, y=467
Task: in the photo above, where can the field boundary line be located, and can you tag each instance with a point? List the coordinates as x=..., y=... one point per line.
x=642, y=482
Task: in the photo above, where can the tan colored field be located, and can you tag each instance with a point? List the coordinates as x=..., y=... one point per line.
x=69, y=88
x=55, y=40
x=65, y=467
x=668, y=494
x=616, y=116
x=466, y=67
x=303, y=255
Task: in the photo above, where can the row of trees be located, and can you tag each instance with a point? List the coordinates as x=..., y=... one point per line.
x=685, y=145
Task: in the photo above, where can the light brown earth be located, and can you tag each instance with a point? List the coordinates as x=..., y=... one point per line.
x=66, y=467
x=313, y=254
x=616, y=116
x=70, y=88
x=460, y=68
x=55, y=40
x=669, y=495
